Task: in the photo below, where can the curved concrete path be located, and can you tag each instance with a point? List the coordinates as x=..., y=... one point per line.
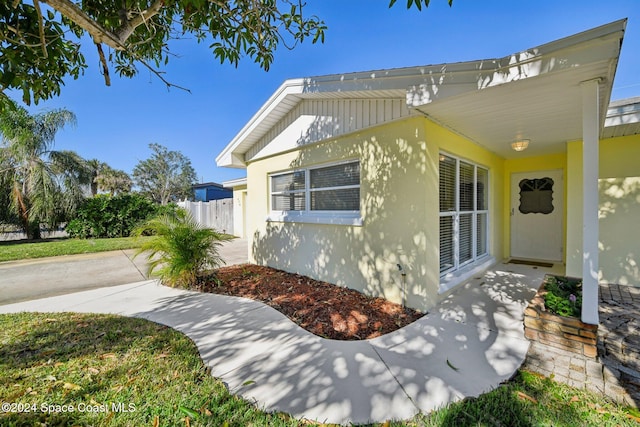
x=267, y=359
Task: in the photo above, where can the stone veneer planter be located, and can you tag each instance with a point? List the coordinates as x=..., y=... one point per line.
x=565, y=333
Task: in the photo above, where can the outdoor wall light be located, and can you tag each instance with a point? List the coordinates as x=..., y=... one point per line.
x=520, y=144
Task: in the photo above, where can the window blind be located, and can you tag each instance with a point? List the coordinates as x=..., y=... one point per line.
x=329, y=188
x=463, y=212
x=446, y=243
x=336, y=175
x=447, y=184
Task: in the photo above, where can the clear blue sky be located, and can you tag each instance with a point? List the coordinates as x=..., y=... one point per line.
x=116, y=124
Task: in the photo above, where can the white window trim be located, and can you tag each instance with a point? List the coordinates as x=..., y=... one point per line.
x=461, y=272
x=308, y=216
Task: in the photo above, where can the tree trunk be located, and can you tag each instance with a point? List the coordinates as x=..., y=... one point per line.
x=32, y=230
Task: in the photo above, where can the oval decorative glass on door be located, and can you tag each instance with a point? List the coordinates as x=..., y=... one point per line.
x=536, y=196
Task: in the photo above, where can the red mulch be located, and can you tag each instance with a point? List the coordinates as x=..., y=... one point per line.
x=321, y=308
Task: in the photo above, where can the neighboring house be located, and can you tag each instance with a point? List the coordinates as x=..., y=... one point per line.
x=350, y=175
x=211, y=191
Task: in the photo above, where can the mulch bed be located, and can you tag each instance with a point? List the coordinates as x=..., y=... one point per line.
x=321, y=308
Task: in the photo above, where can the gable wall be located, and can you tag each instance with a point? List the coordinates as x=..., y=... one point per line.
x=315, y=120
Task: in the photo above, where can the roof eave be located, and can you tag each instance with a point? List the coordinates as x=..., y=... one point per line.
x=231, y=156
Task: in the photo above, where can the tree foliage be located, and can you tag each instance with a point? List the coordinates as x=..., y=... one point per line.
x=41, y=185
x=107, y=179
x=166, y=176
x=417, y=3
x=41, y=40
x=114, y=181
x=107, y=216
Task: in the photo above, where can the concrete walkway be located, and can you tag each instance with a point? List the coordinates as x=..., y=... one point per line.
x=44, y=277
x=467, y=345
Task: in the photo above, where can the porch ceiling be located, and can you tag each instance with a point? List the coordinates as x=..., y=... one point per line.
x=546, y=110
x=537, y=98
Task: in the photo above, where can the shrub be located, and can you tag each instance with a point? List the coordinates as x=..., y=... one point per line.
x=181, y=249
x=111, y=216
x=564, y=296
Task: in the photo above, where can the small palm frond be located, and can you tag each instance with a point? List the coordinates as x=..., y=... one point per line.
x=181, y=249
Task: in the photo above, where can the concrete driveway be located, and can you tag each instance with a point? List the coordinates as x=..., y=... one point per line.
x=46, y=277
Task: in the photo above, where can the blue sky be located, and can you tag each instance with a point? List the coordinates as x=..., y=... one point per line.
x=117, y=123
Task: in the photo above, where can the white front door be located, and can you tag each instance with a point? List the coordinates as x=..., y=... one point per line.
x=537, y=201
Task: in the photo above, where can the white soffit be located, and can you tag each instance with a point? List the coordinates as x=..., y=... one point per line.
x=623, y=118
x=533, y=94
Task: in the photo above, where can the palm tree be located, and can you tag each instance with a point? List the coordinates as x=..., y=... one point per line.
x=114, y=181
x=44, y=186
x=181, y=249
x=107, y=179
x=96, y=168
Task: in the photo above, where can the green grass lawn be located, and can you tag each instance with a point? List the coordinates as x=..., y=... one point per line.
x=104, y=362
x=16, y=250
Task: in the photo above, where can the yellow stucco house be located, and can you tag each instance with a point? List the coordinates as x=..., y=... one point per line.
x=439, y=171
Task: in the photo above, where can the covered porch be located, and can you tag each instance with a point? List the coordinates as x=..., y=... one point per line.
x=542, y=110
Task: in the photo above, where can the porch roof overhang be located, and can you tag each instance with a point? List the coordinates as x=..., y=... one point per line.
x=623, y=118
x=534, y=94
x=234, y=183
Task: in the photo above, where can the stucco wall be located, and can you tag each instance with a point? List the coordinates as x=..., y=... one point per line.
x=399, y=207
x=619, y=212
x=239, y=210
x=619, y=188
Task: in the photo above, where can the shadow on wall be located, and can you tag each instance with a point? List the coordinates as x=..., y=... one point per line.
x=396, y=176
x=619, y=232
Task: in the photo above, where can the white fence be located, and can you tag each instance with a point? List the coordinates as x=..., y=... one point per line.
x=217, y=214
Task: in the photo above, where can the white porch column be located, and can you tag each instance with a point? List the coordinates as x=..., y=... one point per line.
x=590, y=173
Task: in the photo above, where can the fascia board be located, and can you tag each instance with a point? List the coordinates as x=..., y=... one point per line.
x=288, y=88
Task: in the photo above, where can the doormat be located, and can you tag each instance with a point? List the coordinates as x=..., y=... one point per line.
x=534, y=263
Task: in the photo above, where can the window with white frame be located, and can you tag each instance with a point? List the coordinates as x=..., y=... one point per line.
x=464, y=214
x=327, y=190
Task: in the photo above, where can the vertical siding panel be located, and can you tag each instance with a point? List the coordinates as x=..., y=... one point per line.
x=335, y=117
x=353, y=113
x=359, y=109
x=365, y=113
x=373, y=115
x=338, y=122
x=388, y=110
x=342, y=114
x=380, y=111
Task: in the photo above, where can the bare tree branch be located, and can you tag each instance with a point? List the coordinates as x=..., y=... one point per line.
x=159, y=75
x=103, y=62
x=129, y=26
x=36, y=5
x=77, y=15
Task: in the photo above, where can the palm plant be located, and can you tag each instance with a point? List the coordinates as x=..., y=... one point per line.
x=181, y=249
x=107, y=179
x=114, y=181
x=43, y=186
